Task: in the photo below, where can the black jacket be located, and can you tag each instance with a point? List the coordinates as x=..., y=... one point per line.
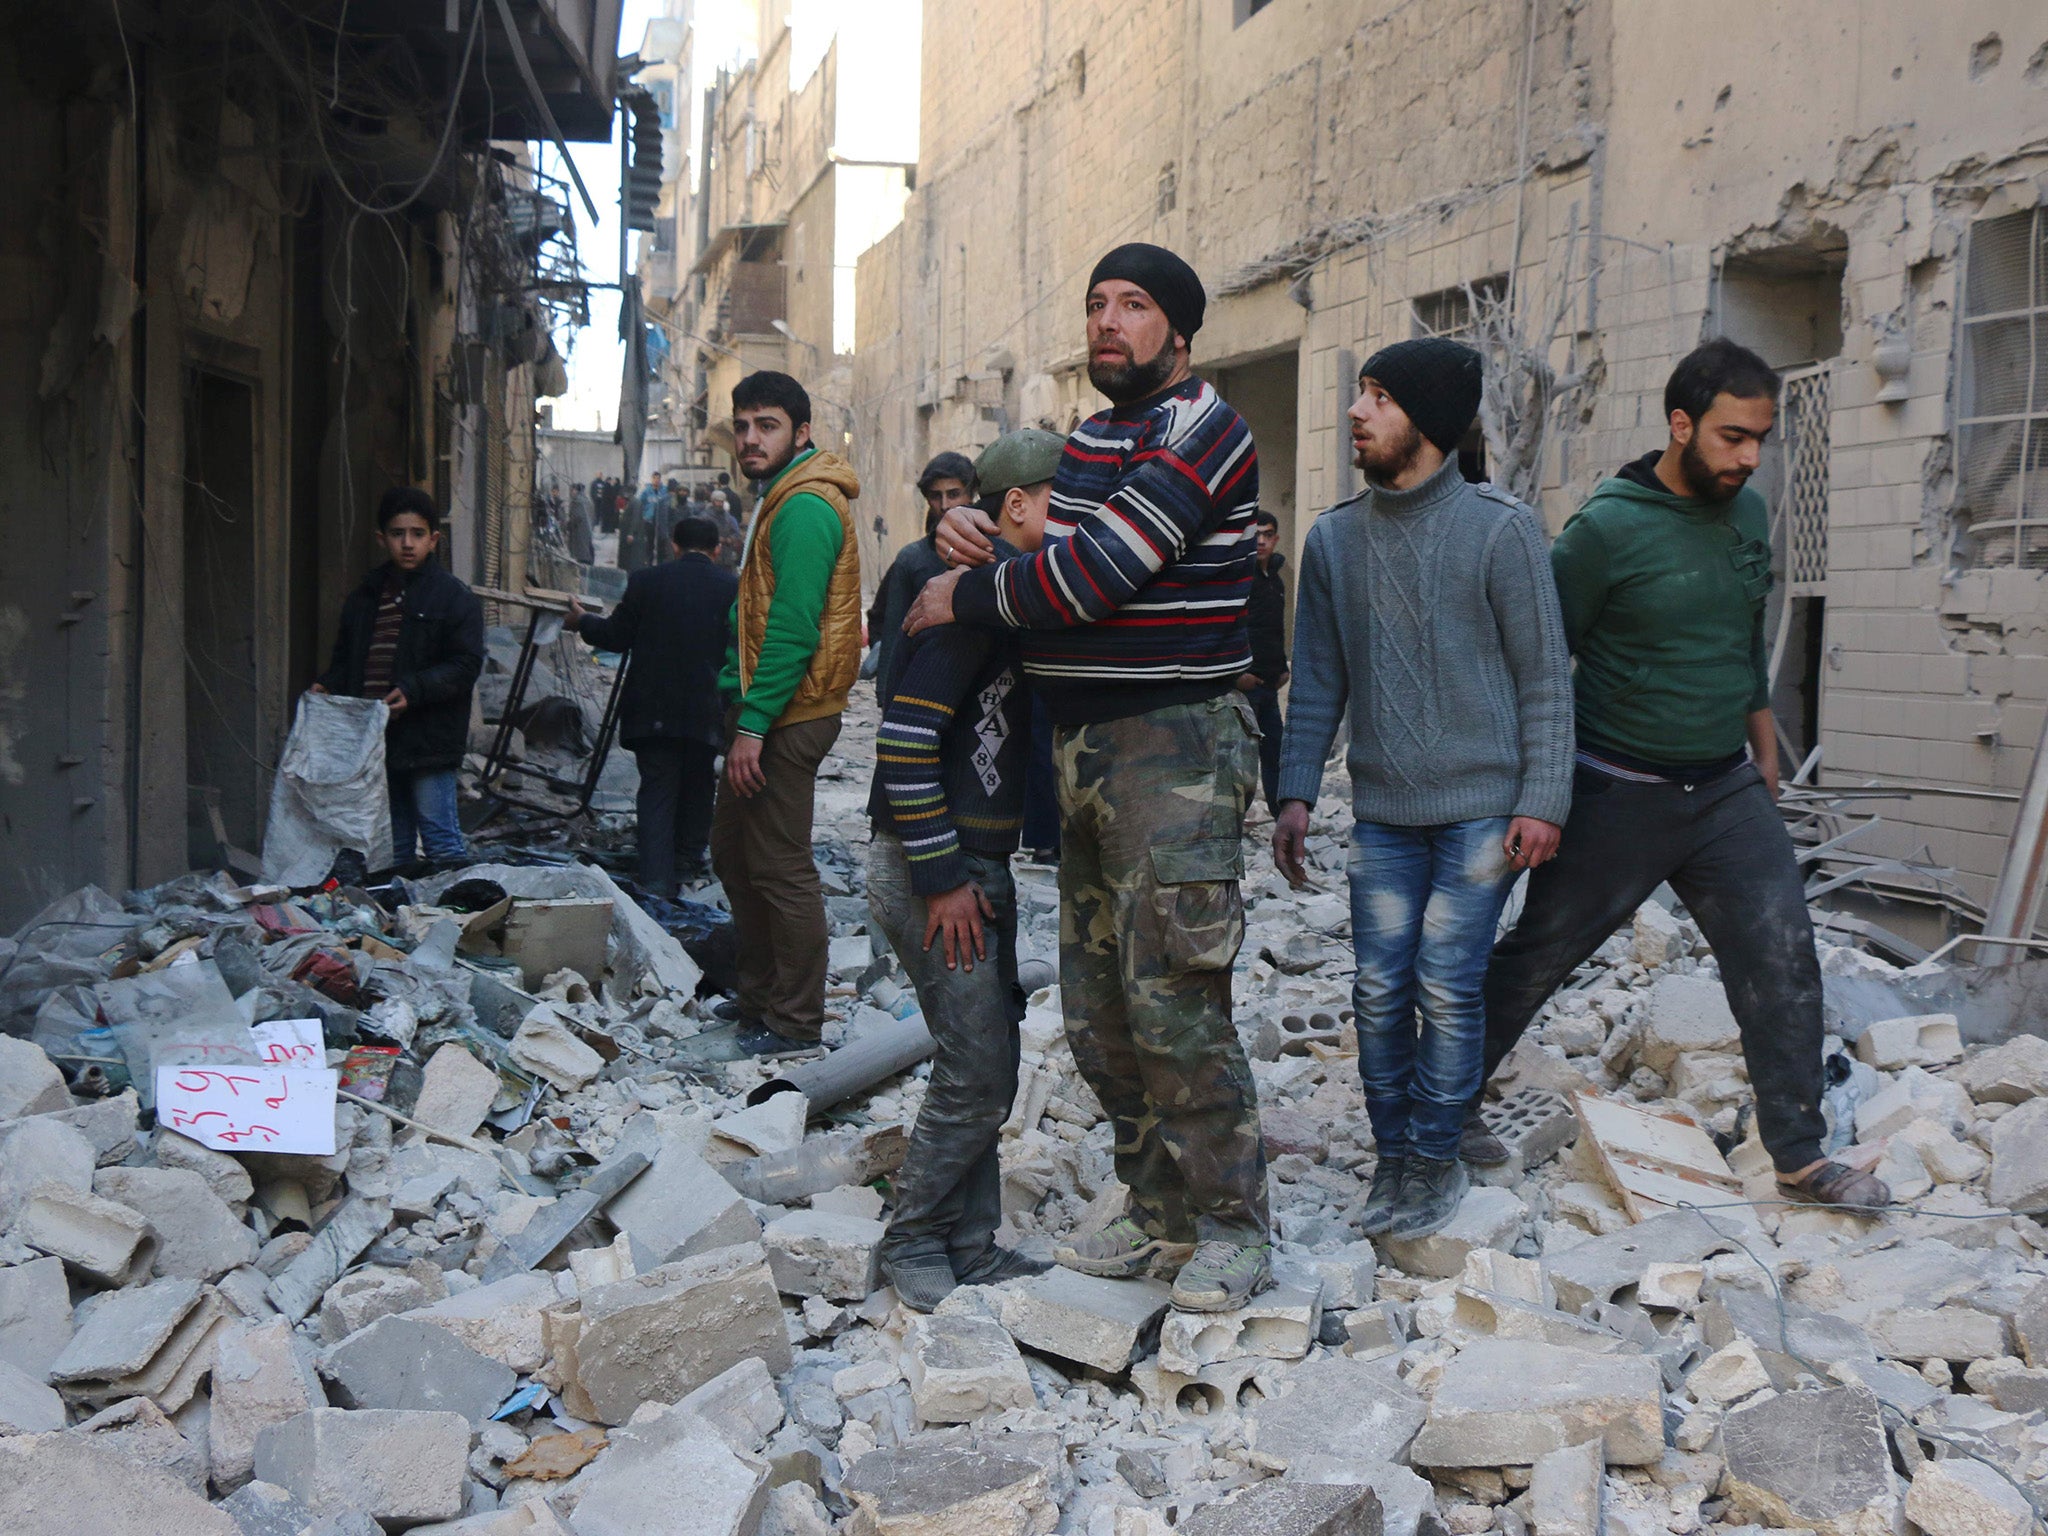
x=914, y=565
x=440, y=655
x=673, y=621
x=1265, y=612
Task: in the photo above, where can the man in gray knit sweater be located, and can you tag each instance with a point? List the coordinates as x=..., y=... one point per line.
x=1427, y=608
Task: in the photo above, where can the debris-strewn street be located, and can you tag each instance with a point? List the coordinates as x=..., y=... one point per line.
x=562, y=1273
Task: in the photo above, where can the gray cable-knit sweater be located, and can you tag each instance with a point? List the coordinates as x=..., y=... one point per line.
x=1432, y=614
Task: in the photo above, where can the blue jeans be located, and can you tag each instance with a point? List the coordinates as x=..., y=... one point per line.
x=1424, y=905
x=423, y=812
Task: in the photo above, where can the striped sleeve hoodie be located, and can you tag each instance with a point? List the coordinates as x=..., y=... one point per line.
x=1137, y=599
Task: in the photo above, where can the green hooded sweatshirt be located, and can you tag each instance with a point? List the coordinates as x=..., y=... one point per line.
x=1663, y=601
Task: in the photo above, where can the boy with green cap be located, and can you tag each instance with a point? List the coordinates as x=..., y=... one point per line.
x=947, y=807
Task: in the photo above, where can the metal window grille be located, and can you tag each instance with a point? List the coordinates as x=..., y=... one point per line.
x=2002, y=425
x=1803, y=503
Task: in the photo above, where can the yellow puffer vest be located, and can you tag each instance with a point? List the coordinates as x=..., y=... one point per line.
x=836, y=662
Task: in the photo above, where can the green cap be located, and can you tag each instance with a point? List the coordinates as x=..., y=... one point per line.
x=1027, y=457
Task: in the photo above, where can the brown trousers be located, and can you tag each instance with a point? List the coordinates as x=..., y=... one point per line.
x=761, y=851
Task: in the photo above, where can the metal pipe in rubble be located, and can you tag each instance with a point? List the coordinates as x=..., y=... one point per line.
x=861, y=1063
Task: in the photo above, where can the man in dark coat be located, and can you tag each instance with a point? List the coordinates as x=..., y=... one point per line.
x=672, y=623
x=1265, y=612
x=413, y=636
x=947, y=481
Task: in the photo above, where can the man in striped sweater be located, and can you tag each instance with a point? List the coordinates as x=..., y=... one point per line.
x=1134, y=635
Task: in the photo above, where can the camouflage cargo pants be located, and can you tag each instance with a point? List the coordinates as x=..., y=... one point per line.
x=1151, y=918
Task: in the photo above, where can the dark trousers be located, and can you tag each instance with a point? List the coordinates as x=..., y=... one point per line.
x=1724, y=848
x=949, y=1192
x=1266, y=710
x=678, y=780
x=1041, y=785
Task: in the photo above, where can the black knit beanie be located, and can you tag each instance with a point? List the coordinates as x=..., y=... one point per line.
x=1171, y=282
x=1435, y=380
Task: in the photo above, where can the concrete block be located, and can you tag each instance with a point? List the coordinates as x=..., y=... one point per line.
x=358, y=1300
x=1290, y=1509
x=2010, y=1073
x=680, y=1207
x=818, y=1253
x=773, y=1126
x=403, y=1363
x=30, y=1083
x=1919, y=1040
x=1812, y=1459
x=501, y=1320
x=173, y=1373
x=1659, y=937
x=1963, y=1497
x=1952, y=1332
x=103, y=1240
x=672, y=1473
x=198, y=1236
x=1671, y=1287
x=2019, y=1158
x=1508, y=1402
x=1378, y=1329
x=27, y=1406
x=1335, y=1407
x=223, y=1173
x=547, y=1047
x=659, y=1335
x=41, y=1151
x=395, y=1467
x=850, y=1200
x=297, y=1288
x=1595, y=1270
x=931, y=1489
x=109, y=1124
x=962, y=1367
x=141, y=1435
x=1405, y=1499
x=1946, y=1159
x=455, y=1092
x=1079, y=1317
x=2029, y=1324
x=2012, y=1387
x=1291, y=1034
x=741, y=1403
x=264, y=1509
x=1279, y=1324
x=1685, y=1013
x=1480, y=1313
x=1487, y=1218
x=1533, y=1123
x=125, y=1330
x=1347, y=1278
x=1565, y=1488
x=63, y=1485
x=1728, y=1375
x=261, y=1376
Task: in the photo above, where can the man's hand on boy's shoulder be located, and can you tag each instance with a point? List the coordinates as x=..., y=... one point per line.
x=934, y=604
x=958, y=914
x=397, y=702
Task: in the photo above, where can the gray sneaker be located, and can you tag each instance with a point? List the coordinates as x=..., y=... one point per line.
x=1123, y=1250
x=1378, y=1214
x=1222, y=1277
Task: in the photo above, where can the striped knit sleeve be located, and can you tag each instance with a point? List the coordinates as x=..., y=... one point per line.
x=936, y=678
x=1193, y=463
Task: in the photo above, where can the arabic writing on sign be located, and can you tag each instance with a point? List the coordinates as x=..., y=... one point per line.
x=290, y=1043
x=249, y=1109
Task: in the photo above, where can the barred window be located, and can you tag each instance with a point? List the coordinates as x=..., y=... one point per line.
x=2002, y=420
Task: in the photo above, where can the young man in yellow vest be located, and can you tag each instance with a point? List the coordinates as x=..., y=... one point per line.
x=795, y=651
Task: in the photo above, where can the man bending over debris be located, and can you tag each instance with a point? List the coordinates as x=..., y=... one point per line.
x=1134, y=634
x=1663, y=576
x=948, y=806
x=1427, y=611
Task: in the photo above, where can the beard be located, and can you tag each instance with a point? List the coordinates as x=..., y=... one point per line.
x=1384, y=462
x=1701, y=479
x=1133, y=380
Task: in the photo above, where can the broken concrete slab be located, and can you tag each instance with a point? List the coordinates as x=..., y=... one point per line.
x=174, y=1371
x=962, y=1367
x=1565, y=1489
x=64, y=1484
x=109, y=1124
x=264, y=1509
x=501, y=1320
x=124, y=1331
x=1598, y=1268
x=102, y=1240
x=552, y=1225
x=2019, y=1158
x=1335, y=1407
x=741, y=1403
x=659, y=1335
x=546, y=1047
x=1917, y=1040
x=680, y=1207
x=929, y=1488
x=1279, y=1508
x=1487, y=1218
x=39, y=1151
x=1813, y=1459
x=223, y=1173
x=262, y=1375
x=1960, y=1496
x=1079, y=1317
x=2009, y=1073
x=1380, y=1328
x=198, y=1236
x=297, y=1289
x=820, y=1253
x=1685, y=1013
x=358, y=1300
x=673, y=1472
x=27, y=1406
x=1951, y=1332
x=394, y=1466
x=1279, y=1324
x=404, y=1363
x=2029, y=1325
x=30, y=1083
x=1728, y=1375
x=143, y=1436
x=1347, y=1278
x=456, y=1091
x=1508, y=1402
x=1503, y=1317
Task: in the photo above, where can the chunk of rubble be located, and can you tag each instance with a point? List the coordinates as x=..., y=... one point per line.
x=30, y=1083
x=395, y=1467
x=548, y=1048
x=2019, y=1158
x=820, y=1253
x=1335, y=1407
x=65, y=1485
x=1599, y=1268
x=35, y=1315
x=27, y=1406
x=1812, y=1459
x=456, y=1091
x=1077, y=1317
x=1918, y=1040
x=1565, y=1491
x=1961, y=1496
x=1290, y=1509
x=298, y=1287
x=405, y=1363
x=40, y=1151
x=359, y=1299
x=2011, y=1073
x=1487, y=1218
x=1279, y=1324
x=99, y=1239
x=501, y=1320
x=198, y=1236
x=659, y=1468
x=261, y=1376
x=960, y=1368
x=224, y=1175
x=680, y=1207
x=929, y=1488
x=1508, y=1402
x=124, y=1332
x=1685, y=1013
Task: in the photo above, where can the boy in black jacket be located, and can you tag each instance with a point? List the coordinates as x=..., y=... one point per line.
x=413, y=636
x=948, y=807
x=672, y=621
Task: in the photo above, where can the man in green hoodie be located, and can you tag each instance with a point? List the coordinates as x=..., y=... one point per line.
x=1663, y=576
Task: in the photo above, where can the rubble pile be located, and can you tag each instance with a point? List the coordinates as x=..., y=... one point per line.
x=561, y=1270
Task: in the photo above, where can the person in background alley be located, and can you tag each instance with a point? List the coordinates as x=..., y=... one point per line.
x=732, y=539
x=671, y=623
x=580, y=532
x=947, y=482
x=1663, y=575
x=1266, y=614
x=1134, y=635
x=794, y=653
x=1426, y=610
x=413, y=636
x=947, y=807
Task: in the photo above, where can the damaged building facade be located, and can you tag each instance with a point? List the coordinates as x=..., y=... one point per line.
x=1585, y=189
x=265, y=260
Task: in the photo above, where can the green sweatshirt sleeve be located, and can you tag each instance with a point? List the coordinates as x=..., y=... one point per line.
x=805, y=546
x=1578, y=559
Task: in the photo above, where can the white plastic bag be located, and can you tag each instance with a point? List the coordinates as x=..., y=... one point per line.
x=330, y=791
